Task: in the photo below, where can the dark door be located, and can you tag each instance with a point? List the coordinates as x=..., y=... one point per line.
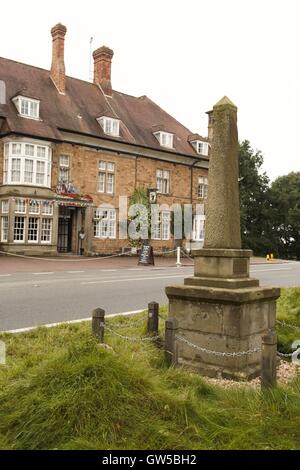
x=64, y=240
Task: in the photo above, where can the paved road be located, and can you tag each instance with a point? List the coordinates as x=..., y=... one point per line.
x=32, y=298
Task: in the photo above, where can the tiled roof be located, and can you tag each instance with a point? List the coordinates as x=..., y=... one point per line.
x=78, y=109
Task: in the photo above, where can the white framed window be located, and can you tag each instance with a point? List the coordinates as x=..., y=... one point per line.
x=110, y=126
x=28, y=164
x=20, y=206
x=5, y=206
x=163, y=181
x=106, y=177
x=161, y=227
x=199, y=227
x=33, y=229
x=27, y=107
x=202, y=187
x=46, y=231
x=47, y=208
x=19, y=229
x=200, y=147
x=105, y=223
x=165, y=139
x=34, y=207
x=4, y=228
x=64, y=168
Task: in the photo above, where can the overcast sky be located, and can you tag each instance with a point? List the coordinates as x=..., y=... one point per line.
x=185, y=55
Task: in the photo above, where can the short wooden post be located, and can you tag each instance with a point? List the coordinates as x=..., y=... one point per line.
x=98, y=320
x=152, y=323
x=171, y=327
x=269, y=360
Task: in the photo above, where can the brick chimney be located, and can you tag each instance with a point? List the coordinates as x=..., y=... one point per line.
x=58, y=73
x=102, y=68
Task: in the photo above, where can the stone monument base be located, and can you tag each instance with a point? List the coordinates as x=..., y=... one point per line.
x=221, y=309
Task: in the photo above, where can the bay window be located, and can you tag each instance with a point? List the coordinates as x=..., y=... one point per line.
x=28, y=164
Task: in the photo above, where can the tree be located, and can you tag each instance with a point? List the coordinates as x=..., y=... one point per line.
x=255, y=202
x=140, y=197
x=285, y=200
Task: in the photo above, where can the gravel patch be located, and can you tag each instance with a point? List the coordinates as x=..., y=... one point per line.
x=286, y=372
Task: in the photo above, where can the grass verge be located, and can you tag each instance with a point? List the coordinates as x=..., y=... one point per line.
x=62, y=390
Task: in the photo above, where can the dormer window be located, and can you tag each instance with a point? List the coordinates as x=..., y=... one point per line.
x=27, y=107
x=200, y=147
x=110, y=126
x=165, y=139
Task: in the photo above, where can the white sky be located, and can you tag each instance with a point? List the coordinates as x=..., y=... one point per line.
x=185, y=55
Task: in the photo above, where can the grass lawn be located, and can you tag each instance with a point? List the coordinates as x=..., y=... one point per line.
x=61, y=390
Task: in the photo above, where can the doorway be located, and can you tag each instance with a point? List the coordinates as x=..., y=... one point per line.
x=65, y=223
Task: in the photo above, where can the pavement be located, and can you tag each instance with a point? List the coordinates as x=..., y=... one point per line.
x=35, y=292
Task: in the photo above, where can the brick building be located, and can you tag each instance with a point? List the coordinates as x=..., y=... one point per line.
x=68, y=150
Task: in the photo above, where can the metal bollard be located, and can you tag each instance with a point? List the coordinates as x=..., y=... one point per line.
x=171, y=327
x=269, y=360
x=98, y=320
x=152, y=322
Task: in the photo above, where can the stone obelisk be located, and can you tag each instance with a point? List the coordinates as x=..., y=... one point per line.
x=221, y=309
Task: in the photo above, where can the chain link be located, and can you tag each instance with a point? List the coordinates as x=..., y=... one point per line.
x=130, y=338
x=288, y=325
x=280, y=354
x=218, y=353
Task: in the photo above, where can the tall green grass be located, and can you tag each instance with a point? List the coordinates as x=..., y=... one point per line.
x=61, y=390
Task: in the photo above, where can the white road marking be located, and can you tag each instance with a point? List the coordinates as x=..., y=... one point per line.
x=109, y=270
x=74, y=272
x=129, y=279
x=41, y=273
x=70, y=322
x=135, y=269
x=5, y=275
x=269, y=270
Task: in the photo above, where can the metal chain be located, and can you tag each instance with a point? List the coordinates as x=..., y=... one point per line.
x=130, y=338
x=186, y=255
x=280, y=354
x=288, y=325
x=218, y=353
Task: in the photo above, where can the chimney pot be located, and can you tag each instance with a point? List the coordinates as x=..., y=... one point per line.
x=102, y=68
x=58, y=73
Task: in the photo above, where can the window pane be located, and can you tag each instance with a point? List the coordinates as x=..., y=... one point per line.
x=4, y=206
x=33, y=229
x=110, y=166
x=20, y=206
x=102, y=166
x=19, y=227
x=40, y=172
x=28, y=174
x=47, y=208
x=29, y=150
x=16, y=170
x=4, y=228
x=101, y=182
x=41, y=152
x=34, y=207
x=46, y=230
x=110, y=183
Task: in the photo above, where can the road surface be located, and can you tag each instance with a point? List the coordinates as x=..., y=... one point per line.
x=35, y=298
